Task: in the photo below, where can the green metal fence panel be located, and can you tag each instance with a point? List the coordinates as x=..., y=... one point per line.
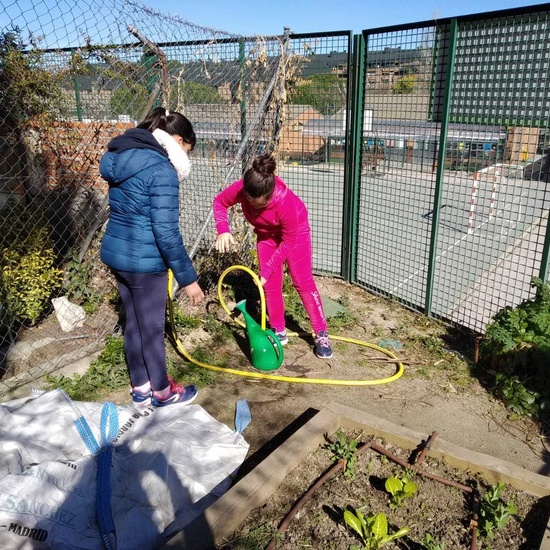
x=499, y=102
x=398, y=150
x=453, y=207
x=313, y=144
x=353, y=159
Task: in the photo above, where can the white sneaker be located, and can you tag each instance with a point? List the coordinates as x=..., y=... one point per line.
x=283, y=338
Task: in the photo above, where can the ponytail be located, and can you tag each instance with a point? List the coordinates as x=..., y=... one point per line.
x=171, y=122
x=259, y=180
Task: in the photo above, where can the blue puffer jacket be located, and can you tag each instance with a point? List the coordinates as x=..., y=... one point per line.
x=142, y=234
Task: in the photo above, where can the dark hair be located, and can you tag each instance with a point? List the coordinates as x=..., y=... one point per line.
x=259, y=180
x=173, y=123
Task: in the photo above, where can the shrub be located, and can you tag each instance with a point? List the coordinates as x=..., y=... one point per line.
x=527, y=325
x=78, y=282
x=404, y=85
x=516, y=348
x=29, y=276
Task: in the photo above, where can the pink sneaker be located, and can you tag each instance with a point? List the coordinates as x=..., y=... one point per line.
x=178, y=394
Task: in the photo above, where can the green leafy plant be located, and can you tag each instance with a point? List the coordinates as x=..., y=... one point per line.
x=77, y=283
x=372, y=529
x=520, y=400
x=493, y=512
x=431, y=542
x=28, y=276
x=516, y=352
x=346, y=450
x=528, y=324
x=400, y=488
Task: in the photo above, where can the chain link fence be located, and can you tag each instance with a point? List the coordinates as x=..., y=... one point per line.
x=72, y=77
x=420, y=150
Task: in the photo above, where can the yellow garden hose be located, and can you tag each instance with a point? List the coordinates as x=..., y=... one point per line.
x=325, y=381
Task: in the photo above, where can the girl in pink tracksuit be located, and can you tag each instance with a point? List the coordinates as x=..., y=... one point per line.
x=280, y=221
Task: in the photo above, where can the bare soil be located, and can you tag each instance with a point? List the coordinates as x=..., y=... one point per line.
x=440, y=390
x=443, y=511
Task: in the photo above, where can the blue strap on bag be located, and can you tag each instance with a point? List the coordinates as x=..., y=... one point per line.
x=242, y=415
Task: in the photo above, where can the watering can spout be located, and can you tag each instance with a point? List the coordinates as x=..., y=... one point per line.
x=266, y=350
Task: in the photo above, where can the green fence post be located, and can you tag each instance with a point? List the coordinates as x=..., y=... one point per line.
x=543, y=272
x=453, y=31
x=77, y=97
x=149, y=61
x=352, y=154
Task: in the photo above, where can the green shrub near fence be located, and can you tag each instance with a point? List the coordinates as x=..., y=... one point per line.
x=29, y=276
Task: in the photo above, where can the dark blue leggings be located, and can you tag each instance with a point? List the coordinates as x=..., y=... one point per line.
x=144, y=298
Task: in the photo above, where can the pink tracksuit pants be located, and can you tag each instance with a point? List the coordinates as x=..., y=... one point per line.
x=299, y=263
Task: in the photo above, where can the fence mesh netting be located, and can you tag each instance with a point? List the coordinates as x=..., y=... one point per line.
x=421, y=152
x=73, y=76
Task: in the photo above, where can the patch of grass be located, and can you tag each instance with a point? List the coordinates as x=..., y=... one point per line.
x=183, y=321
x=423, y=372
x=340, y=346
x=188, y=373
x=293, y=303
x=220, y=331
x=257, y=537
x=107, y=373
x=432, y=344
x=341, y=320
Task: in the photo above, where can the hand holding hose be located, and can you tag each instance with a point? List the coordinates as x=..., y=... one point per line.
x=225, y=242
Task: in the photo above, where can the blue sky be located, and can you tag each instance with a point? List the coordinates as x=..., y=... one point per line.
x=264, y=17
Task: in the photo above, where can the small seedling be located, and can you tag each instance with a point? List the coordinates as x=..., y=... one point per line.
x=346, y=450
x=493, y=513
x=400, y=488
x=431, y=542
x=372, y=529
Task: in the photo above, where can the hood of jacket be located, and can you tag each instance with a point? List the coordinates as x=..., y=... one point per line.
x=130, y=153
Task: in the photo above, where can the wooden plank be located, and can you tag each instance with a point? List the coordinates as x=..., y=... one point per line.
x=223, y=517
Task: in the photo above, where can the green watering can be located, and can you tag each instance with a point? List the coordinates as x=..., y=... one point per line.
x=265, y=348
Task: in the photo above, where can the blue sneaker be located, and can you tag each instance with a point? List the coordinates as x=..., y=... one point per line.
x=283, y=338
x=140, y=399
x=323, y=348
x=178, y=394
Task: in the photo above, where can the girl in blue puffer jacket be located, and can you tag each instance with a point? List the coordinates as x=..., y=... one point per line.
x=143, y=167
